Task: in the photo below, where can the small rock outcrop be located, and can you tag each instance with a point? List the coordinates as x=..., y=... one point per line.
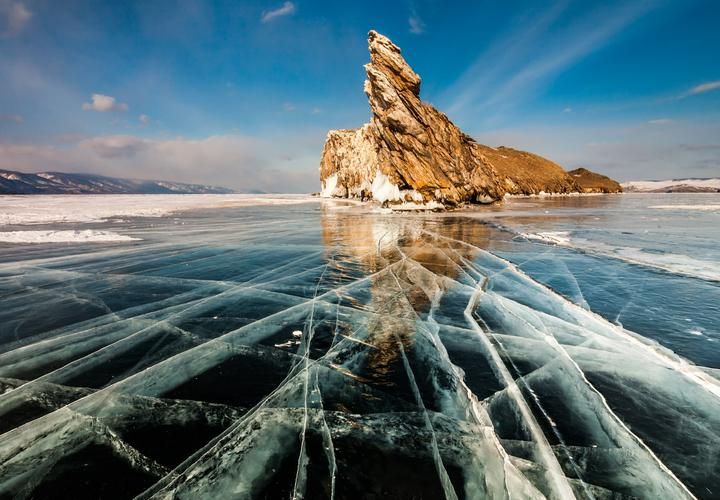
x=411, y=152
x=590, y=182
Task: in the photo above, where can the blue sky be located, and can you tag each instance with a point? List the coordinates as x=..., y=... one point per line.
x=242, y=93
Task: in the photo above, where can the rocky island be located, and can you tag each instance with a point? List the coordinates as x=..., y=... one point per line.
x=411, y=153
x=592, y=182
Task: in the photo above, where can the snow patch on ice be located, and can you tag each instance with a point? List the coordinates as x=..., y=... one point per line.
x=554, y=237
x=709, y=207
x=673, y=263
x=409, y=206
x=62, y=236
x=544, y=194
x=47, y=209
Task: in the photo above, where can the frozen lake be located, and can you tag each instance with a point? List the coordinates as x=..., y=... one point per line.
x=288, y=347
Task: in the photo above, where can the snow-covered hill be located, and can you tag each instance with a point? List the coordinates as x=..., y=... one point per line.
x=711, y=185
x=61, y=183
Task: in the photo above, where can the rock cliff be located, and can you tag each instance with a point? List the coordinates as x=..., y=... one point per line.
x=590, y=182
x=411, y=152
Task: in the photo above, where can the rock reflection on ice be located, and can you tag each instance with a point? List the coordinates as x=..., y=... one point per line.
x=367, y=355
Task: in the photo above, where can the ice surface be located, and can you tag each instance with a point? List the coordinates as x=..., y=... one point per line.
x=333, y=353
x=711, y=207
x=409, y=206
x=675, y=263
x=15, y=210
x=629, y=227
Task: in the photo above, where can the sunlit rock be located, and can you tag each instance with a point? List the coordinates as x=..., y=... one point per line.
x=412, y=153
x=591, y=182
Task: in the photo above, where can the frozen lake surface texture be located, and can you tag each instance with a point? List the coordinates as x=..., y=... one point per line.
x=286, y=347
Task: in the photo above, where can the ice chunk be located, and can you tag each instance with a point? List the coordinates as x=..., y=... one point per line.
x=384, y=190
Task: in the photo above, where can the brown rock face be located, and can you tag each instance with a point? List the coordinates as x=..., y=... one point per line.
x=412, y=152
x=590, y=182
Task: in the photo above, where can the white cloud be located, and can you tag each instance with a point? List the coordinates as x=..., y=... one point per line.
x=17, y=119
x=287, y=164
x=703, y=87
x=289, y=107
x=13, y=18
x=316, y=111
x=288, y=8
x=660, y=121
x=115, y=146
x=103, y=104
x=417, y=26
x=144, y=120
x=567, y=110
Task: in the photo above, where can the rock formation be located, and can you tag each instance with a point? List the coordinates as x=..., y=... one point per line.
x=411, y=152
x=590, y=182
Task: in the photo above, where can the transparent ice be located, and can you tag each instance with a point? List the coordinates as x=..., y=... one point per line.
x=328, y=352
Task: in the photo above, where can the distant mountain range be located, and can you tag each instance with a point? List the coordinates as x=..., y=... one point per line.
x=707, y=185
x=61, y=183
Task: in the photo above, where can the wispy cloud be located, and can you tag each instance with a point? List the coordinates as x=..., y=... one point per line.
x=14, y=16
x=702, y=88
x=499, y=59
x=417, y=26
x=16, y=119
x=144, y=120
x=287, y=9
x=534, y=52
x=104, y=104
x=568, y=110
x=660, y=121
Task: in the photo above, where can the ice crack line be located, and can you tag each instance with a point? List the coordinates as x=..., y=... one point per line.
x=687, y=370
x=300, y=485
x=442, y=472
x=557, y=347
x=557, y=481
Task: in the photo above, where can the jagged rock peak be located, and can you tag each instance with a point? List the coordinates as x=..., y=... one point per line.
x=386, y=57
x=412, y=153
